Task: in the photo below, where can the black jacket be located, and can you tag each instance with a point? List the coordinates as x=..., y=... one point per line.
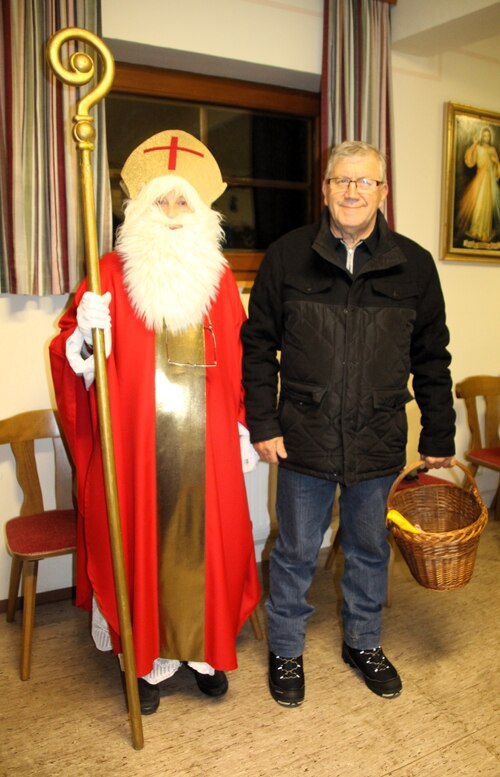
x=348, y=346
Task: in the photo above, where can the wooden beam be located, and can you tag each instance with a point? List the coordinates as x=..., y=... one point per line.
x=156, y=82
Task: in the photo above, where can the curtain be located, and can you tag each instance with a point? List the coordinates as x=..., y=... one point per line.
x=356, y=88
x=41, y=233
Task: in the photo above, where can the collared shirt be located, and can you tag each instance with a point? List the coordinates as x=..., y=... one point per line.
x=354, y=259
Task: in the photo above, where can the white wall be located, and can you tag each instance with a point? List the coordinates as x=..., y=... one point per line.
x=472, y=290
x=251, y=39
x=421, y=87
x=27, y=324
x=246, y=30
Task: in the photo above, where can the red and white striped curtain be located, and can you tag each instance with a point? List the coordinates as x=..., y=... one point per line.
x=356, y=90
x=41, y=236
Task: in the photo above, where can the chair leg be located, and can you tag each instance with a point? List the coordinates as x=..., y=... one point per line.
x=333, y=550
x=30, y=572
x=495, y=505
x=390, y=574
x=256, y=627
x=15, y=578
x=473, y=468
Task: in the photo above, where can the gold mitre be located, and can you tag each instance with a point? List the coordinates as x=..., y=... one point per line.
x=174, y=152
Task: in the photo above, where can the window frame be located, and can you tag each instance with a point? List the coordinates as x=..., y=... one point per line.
x=231, y=93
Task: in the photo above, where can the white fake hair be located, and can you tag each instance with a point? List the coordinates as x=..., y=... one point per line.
x=171, y=275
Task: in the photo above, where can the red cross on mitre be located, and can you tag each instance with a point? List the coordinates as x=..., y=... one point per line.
x=173, y=148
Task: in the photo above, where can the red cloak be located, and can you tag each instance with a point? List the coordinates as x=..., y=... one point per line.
x=231, y=583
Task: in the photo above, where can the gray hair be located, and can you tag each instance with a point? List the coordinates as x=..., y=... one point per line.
x=355, y=148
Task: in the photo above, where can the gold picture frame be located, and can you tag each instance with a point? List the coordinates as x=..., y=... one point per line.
x=471, y=187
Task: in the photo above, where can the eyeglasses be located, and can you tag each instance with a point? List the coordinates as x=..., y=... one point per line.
x=362, y=184
x=213, y=363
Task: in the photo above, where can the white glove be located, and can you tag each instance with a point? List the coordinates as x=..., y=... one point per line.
x=249, y=456
x=80, y=365
x=93, y=313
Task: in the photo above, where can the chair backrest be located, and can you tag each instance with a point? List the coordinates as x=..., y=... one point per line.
x=487, y=387
x=20, y=432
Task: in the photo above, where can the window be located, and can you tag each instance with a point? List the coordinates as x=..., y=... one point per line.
x=264, y=138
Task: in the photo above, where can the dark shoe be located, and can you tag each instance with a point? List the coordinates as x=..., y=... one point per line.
x=378, y=673
x=211, y=684
x=286, y=680
x=149, y=696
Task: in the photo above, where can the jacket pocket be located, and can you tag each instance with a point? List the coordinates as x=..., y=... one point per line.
x=308, y=286
x=394, y=289
x=302, y=393
x=391, y=399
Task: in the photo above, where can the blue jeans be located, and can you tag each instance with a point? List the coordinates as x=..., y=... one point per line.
x=304, y=508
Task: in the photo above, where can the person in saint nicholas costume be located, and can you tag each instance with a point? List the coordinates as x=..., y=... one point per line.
x=171, y=315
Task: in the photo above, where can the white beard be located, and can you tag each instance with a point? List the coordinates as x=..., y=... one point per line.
x=171, y=275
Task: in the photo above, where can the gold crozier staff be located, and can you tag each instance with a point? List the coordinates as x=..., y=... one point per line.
x=82, y=71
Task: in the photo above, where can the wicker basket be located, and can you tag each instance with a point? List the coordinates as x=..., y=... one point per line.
x=452, y=518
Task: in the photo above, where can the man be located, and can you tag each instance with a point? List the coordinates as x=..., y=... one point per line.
x=479, y=209
x=172, y=314
x=354, y=308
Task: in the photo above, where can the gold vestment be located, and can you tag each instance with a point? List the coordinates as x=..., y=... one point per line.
x=180, y=473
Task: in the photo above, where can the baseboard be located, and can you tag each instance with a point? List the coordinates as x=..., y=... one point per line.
x=45, y=597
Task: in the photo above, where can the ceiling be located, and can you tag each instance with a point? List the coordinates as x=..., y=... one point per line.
x=476, y=31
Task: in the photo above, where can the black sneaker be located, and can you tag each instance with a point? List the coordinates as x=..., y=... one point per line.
x=149, y=696
x=215, y=684
x=286, y=680
x=378, y=673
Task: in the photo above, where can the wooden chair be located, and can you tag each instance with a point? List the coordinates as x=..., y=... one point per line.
x=255, y=624
x=484, y=450
x=36, y=534
x=415, y=478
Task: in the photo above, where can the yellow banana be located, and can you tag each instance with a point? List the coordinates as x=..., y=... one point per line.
x=402, y=522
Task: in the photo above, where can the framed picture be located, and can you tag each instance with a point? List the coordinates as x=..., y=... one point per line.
x=471, y=186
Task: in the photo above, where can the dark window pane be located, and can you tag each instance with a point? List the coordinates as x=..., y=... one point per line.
x=280, y=148
x=253, y=218
x=259, y=146
x=230, y=141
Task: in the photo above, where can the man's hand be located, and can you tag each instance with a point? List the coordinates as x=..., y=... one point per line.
x=435, y=462
x=269, y=450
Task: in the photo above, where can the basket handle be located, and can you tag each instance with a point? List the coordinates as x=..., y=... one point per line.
x=417, y=465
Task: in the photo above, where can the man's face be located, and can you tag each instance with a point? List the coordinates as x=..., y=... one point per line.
x=172, y=205
x=486, y=137
x=354, y=212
